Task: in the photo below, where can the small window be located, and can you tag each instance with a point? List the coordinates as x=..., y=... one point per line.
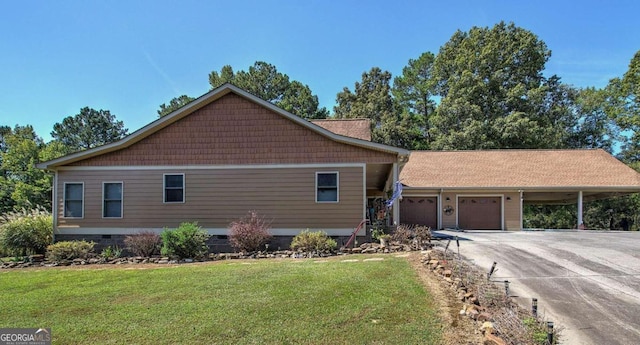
x=326, y=187
x=73, y=200
x=174, y=188
x=112, y=200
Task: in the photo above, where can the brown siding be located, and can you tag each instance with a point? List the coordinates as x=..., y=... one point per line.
x=233, y=130
x=449, y=221
x=215, y=197
x=512, y=211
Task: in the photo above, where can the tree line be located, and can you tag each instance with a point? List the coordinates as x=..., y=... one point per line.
x=484, y=89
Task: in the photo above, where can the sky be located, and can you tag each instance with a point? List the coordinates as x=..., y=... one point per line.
x=129, y=56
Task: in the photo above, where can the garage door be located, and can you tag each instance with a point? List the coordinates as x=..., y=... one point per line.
x=480, y=213
x=419, y=211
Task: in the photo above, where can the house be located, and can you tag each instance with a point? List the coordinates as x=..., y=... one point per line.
x=229, y=152
x=215, y=159
x=487, y=189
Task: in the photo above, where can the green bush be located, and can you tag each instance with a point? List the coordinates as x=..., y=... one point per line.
x=249, y=233
x=316, y=241
x=69, y=250
x=187, y=241
x=26, y=232
x=110, y=252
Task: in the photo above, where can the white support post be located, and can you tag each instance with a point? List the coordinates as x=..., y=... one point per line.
x=580, y=222
x=521, y=210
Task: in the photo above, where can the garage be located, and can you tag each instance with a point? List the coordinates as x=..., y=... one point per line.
x=480, y=213
x=419, y=211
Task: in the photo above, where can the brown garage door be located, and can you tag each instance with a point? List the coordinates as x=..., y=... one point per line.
x=419, y=211
x=480, y=213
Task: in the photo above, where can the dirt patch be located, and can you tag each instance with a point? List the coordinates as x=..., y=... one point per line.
x=457, y=330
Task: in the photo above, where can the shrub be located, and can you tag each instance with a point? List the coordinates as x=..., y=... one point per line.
x=317, y=241
x=187, y=241
x=422, y=234
x=249, y=233
x=402, y=234
x=111, y=252
x=145, y=243
x=69, y=250
x=26, y=232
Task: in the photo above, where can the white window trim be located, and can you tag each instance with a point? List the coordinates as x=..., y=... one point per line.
x=64, y=200
x=164, y=188
x=121, y=199
x=337, y=187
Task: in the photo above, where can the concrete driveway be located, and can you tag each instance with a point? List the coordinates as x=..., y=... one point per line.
x=587, y=282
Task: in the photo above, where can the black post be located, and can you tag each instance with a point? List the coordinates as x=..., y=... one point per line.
x=550, y=332
x=491, y=271
x=458, y=244
x=506, y=287
x=534, y=307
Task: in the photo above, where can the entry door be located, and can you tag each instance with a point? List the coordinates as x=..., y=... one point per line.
x=419, y=211
x=480, y=213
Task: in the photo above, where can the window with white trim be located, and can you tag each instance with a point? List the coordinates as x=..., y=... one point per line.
x=112, y=199
x=73, y=200
x=327, y=187
x=173, y=188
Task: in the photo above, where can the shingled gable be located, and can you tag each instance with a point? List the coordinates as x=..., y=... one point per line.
x=354, y=128
x=202, y=102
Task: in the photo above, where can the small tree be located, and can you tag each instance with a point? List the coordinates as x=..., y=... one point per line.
x=187, y=241
x=249, y=233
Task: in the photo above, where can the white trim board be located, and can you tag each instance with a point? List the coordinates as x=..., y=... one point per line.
x=211, y=231
x=212, y=167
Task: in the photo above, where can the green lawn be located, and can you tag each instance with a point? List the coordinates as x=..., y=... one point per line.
x=230, y=302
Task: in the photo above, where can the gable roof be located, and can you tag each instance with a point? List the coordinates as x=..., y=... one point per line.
x=354, y=128
x=526, y=169
x=199, y=103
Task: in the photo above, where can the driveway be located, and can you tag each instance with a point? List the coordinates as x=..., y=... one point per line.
x=587, y=282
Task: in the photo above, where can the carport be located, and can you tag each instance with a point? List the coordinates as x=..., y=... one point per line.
x=486, y=190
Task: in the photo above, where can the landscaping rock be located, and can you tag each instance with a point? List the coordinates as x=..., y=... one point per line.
x=487, y=328
x=484, y=316
x=492, y=339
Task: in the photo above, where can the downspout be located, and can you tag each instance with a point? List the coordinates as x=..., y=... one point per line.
x=54, y=204
x=440, y=209
x=396, y=203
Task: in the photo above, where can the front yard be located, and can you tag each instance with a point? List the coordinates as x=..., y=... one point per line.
x=333, y=301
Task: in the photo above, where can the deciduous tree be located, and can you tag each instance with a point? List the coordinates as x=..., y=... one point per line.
x=493, y=93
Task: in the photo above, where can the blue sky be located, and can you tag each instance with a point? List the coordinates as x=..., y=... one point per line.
x=131, y=56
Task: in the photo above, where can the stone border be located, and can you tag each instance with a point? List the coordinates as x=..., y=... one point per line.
x=365, y=248
x=498, y=317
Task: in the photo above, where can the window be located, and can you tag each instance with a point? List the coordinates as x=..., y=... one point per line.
x=73, y=200
x=326, y=187
x=174, y=188
x=112, y=200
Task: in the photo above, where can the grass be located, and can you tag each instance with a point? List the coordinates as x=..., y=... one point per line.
x=231, y=302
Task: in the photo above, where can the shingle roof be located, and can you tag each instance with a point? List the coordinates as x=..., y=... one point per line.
x=354, y=128
x=517, y=169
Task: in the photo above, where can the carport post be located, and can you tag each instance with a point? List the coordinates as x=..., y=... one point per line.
x=521, y=210
x=580, y=210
